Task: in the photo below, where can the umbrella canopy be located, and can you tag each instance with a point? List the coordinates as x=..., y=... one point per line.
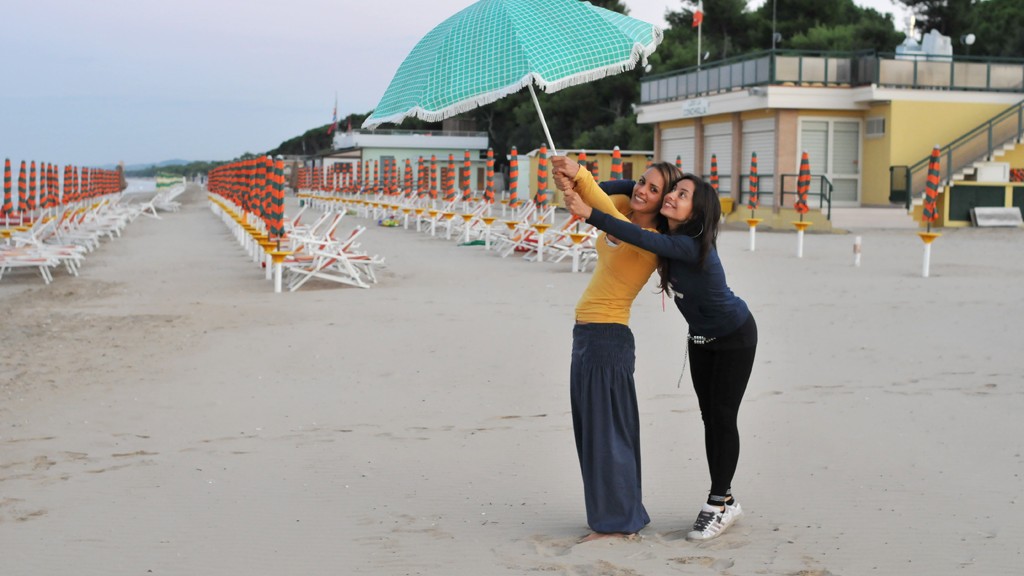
x=679, y=163
x=714, y=172
x=8, y=206
x=489, y=189
x=803, y=185
x=616, y=164
x=22, y=189
x=467, y=194
x=541, y=198
x=753, y=200
x=494, y=48
x=513, y=178
x=930, y=211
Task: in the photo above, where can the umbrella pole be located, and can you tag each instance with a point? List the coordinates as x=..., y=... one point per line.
x=543, y=123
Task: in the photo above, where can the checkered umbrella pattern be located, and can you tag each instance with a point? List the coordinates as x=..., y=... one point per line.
x=494, y=48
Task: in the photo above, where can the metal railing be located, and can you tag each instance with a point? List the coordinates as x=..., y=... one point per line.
x=978, y=143
x=824, y=192
x=801, y=67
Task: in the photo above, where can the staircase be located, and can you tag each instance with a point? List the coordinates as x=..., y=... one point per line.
x=961, y=158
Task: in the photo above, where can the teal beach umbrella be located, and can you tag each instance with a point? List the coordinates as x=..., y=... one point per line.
x=494, y=48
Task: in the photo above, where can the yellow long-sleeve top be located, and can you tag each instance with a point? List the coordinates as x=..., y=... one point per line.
x=621, y=270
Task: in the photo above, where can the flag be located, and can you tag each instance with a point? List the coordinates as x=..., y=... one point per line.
x=334, y=117
x=698, y=14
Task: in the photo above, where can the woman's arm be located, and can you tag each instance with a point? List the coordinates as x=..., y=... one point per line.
x=569, y=174
x=675, y=247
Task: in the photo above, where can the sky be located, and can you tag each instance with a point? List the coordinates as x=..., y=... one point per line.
x=91, y=83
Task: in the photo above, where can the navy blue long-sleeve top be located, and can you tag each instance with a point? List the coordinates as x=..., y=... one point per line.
x=702, y=295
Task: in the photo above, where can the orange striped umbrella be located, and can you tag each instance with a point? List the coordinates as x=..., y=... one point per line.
x=68, y=195
x=421, y=178
x=753, y=200
x=541, y=198
x=8, y=206
x=581, y=159
x=275, y=222
x=432, y=175
x=616, y=164
x=449, y=181
x=930, y=211
x=408, y=178
x=513, y=178
x=32, y=201
x=467, y=194
x=679, y=163
x=714, y=172
x=593, y=170
x=22, y=189
x=803, y=185
x=489, y=189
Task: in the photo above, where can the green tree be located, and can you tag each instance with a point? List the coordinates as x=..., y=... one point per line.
x=998, y=25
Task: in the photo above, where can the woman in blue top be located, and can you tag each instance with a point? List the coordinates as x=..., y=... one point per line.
x=722, y=336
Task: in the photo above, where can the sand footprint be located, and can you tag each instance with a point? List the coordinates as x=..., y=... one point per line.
x=552, y=546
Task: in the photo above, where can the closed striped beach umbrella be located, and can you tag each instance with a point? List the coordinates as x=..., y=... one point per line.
x=616, y=164
x=679, y=162
x=421, y=178
x=408, y=178
x=753, y=200
x=33, y=201
x=714, y=172
x=513, y=178
x=489, y=189
x=7, y=209
x=803, y=185
x=467, y=194
x=22, y=189
x=593, y=169
x=581, y=159
x=930, y=212
x=432, y=185
x=541, y=198
x=449, y=181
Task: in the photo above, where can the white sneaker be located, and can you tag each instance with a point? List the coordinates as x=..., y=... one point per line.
x=711, y=521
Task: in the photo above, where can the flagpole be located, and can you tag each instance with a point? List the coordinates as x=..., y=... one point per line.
x=700, y=26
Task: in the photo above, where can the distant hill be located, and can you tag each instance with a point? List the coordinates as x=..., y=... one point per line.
x=136, y=167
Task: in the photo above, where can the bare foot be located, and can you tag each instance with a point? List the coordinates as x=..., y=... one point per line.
x=602, y=535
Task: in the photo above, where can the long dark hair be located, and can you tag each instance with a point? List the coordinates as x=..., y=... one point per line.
x=701, y=225
x=671, y=174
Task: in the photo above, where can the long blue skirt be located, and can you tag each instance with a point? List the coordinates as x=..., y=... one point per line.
x=606, y=421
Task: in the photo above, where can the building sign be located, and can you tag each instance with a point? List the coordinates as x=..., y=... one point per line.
x=695, y=107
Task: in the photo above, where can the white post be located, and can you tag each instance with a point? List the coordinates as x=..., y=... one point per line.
x=277, y=278
x=540, y=247
x=799, y=243
x=856, y=251
x=268, y=263
x=753, y=237
x=927, y=260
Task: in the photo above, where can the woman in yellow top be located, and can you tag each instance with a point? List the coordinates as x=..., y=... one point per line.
x=605, y=416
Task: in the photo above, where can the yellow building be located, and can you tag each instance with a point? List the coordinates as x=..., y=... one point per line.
x=865, y=120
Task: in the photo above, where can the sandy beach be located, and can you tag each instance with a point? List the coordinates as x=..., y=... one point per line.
x=166, y=413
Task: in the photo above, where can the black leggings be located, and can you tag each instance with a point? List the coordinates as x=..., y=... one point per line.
x=720, y=370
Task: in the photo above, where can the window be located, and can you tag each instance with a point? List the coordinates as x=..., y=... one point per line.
x=875, y=128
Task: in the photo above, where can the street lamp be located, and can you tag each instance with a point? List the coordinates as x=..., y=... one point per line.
x=967, y=40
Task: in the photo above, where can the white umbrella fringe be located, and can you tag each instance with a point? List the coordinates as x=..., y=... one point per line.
x=639, y=53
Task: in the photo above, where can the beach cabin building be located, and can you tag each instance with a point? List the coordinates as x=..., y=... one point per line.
x=867, y=120
x=380, y=146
